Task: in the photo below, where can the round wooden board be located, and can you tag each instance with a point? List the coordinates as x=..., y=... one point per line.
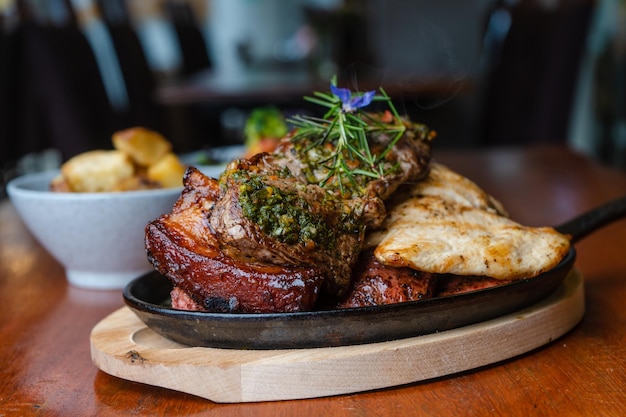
x=121, y=345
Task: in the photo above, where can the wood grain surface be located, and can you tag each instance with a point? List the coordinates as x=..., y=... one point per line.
x=45, y=325
x=123, y=346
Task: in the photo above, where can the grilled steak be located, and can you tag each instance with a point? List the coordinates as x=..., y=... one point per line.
x=455, y=284
x=376, y=284
x=265, y=214
x=410, y=156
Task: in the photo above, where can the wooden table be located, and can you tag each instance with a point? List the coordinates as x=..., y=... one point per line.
x=45, y=365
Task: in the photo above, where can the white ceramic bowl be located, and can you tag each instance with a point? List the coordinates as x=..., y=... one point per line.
x=97, y=237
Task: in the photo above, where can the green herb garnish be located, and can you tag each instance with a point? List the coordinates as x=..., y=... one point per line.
x=346, y=130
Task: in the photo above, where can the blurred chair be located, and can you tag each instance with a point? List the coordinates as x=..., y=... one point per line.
x=9, y=76
x=138, y=77
x=532, y=74
x=193, y=46
x=62, y=100
x=192, y=124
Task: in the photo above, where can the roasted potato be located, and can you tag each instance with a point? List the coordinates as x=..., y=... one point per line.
x=60, y=185
x=144, y=146
x=142, y=160
x=137, y=182
x=168, y=171
x=97, y=171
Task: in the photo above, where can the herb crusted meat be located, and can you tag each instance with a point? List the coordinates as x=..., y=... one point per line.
x=265, y=214
x=407, y=161
x=269, y=235
x=183, y=246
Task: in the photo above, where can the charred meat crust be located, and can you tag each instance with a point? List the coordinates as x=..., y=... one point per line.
x=182, y=246
x=376, y=284
x=222, y=259
x=221, y=284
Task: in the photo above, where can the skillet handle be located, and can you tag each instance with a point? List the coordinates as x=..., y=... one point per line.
x=581, y=226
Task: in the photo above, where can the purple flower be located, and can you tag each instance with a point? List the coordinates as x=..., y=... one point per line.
x=350, y=103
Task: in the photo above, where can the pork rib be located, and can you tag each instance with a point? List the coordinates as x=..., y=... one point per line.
x=182, y=246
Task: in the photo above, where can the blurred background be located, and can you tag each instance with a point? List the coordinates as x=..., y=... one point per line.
x=479, y=72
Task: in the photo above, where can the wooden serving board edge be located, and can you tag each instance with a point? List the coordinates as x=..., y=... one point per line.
x=122, y=346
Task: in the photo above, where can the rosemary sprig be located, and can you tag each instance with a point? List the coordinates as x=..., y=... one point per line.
x=342, y=137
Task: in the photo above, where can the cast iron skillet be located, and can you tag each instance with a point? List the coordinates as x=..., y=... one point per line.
x=148, y=297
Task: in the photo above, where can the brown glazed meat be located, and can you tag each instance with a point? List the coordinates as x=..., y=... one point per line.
x=411, y=155
x=267, y=237
x=376, y=284
x=182, y=246
x=455, y=284
x=265, y=214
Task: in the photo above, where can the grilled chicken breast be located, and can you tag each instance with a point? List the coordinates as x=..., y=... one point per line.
x=447, y=225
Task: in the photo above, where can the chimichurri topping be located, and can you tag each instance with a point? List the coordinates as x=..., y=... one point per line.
x=284, y=215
